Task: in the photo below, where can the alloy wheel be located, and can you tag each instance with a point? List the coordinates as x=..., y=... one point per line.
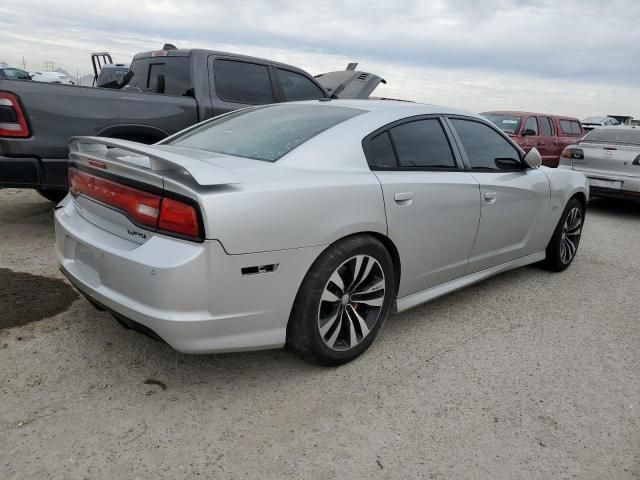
x=571, y=231
x=351, y=302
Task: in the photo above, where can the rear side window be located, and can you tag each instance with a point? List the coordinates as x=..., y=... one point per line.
x=176, y=71
x=422, y=143
x=379, y=152
x=298, y=87
x=546, y=127
x=242, y=82
x=576, y=129
x=570, y=127
x=485, y=147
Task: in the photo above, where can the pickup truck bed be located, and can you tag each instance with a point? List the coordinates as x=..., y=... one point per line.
x=56, y=112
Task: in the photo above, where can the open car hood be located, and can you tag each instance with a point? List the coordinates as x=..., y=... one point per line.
x=349, y=83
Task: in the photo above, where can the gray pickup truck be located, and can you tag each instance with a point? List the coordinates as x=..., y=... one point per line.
x=165, y=92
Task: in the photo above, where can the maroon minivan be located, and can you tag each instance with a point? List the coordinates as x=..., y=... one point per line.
x=550, y=134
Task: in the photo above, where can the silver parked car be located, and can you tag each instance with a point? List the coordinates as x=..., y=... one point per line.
x=306, y=223
x=610, y=158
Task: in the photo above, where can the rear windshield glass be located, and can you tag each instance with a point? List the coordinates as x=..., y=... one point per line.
x=264, y=133
x=614, y=135
x=506, y=123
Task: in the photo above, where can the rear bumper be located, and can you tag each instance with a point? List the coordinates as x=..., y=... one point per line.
x=31, y=172
x=192, y=295
x=629, y=186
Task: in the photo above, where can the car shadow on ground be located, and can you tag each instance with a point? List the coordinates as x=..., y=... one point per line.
x=620, y=208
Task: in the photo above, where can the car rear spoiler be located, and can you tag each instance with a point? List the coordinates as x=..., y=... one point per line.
x=145, y=163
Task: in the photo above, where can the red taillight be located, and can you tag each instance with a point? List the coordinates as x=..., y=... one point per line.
x=150, y=210
x=12, y=120
x=178, y=217
x=573, y=153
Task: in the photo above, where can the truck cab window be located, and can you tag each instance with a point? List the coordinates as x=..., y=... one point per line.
x=242, y=82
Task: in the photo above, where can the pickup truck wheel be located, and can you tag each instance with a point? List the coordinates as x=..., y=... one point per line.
x=53, y=195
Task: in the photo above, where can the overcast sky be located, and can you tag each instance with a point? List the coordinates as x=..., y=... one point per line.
x=571, y=57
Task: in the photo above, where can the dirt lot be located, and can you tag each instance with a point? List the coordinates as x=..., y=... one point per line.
x=527, y=375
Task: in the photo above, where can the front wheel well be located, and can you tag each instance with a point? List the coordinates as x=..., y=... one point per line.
x=581, y=197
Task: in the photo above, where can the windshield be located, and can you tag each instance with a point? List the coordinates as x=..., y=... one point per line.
x=506, y=123
x=594, y=120
x=264, y=133
x=614, y=135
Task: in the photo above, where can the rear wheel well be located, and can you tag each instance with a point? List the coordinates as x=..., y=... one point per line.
x=581, y=197
x=389, y=246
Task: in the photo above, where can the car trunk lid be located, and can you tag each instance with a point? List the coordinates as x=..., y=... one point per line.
x=609, y=158
x=121, y=186
x=350, y=83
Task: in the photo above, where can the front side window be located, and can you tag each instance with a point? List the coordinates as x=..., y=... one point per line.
x=422, y=143
x=298, y=87
x=531, y=127
x=264, y=133
x=242, y=82
x=486, y=149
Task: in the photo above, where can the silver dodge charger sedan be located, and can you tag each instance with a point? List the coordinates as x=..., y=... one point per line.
x=610, y=158
x=306, y=224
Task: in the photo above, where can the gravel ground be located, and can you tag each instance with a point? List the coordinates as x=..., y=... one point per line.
x=526, y=375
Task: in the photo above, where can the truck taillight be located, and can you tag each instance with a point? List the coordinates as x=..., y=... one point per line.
x=152, y=211
x=12, y=120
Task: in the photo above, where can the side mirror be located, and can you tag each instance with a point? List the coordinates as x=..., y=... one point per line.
x=533, y=159
x=529, y=132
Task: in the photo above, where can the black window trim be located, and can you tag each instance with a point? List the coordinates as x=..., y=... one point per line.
x=274, y=89
x=387, y=129
x=282, y=98
x=464, y=155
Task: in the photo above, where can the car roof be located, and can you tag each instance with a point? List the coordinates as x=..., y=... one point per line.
x=401, y=108
x=187, y=52
x=522, y=113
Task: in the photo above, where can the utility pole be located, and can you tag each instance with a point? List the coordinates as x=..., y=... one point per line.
x=49, y=66
x=24, y=63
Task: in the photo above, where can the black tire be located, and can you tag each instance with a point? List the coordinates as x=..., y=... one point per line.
x=559, y=259
x=53, y=195
x=341, y=259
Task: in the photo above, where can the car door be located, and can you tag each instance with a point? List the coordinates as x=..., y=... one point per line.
x=530, y=133
x=432, y=204
x=514, y=199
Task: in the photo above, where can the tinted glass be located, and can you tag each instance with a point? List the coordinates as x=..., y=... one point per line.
x=483, y=145
x=176, y=71
x=506, y=123
x=532, y=124
x=379, y=152
x=242, y=82
x=264, y=133
x=545, y=126
x=576, y=129
x=565, y=126
x=298, y=87
x=422, y=143
x=614, y=135
x=16, y=73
